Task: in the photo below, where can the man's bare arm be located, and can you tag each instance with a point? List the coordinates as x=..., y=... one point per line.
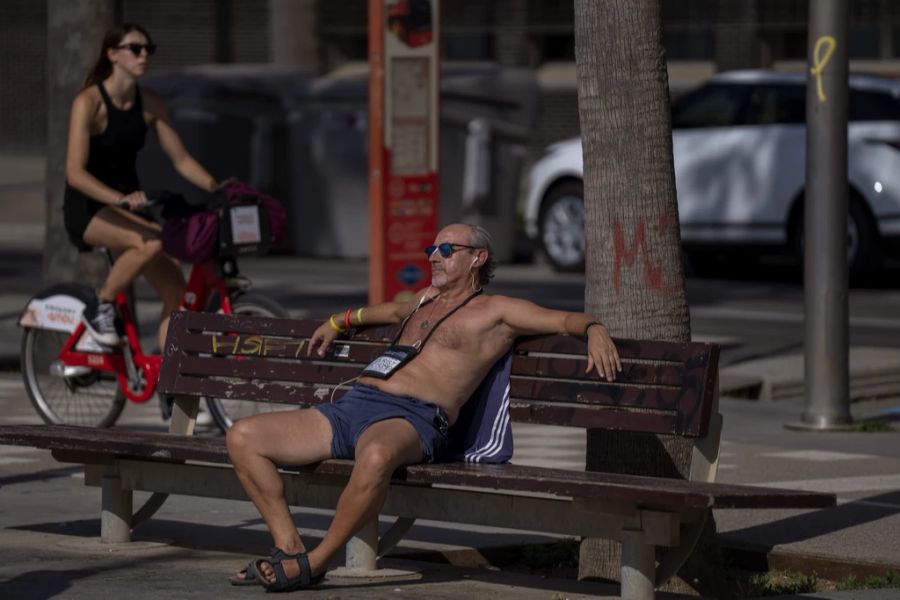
x=526, y=318
x=385, y=313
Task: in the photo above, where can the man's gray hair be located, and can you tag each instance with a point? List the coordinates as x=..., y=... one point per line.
x=480, y=238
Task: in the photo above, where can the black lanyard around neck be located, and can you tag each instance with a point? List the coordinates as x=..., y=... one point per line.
x=421, y=343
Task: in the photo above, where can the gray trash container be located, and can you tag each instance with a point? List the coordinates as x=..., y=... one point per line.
x=305, y=140
x=330, y=166
x=487, y=116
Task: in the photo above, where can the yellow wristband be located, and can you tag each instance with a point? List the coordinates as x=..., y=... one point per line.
x=359, y=320
x=334, y=325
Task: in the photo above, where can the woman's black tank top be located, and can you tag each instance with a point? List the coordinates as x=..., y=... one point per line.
x=112, y=158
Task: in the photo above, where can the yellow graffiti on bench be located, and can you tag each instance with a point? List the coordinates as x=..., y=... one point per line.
x=255, y=345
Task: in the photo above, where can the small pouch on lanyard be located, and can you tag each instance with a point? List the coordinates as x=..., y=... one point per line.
x=389, y=361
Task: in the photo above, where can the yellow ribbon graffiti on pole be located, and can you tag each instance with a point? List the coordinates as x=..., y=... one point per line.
x=821, y=59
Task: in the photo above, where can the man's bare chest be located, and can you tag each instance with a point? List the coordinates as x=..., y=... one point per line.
x=441, y=327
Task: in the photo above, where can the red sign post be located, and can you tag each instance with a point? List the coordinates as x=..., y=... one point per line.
x=403, y=144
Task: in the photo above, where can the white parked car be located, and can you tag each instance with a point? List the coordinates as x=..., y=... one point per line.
x=739, y=148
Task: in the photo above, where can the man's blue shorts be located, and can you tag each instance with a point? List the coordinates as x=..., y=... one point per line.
x=364, y=405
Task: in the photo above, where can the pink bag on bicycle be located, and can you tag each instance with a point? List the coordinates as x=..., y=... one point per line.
x=193, y=237
x=196, y=234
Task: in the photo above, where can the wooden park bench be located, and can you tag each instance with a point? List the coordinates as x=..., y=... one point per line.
x=664, y=388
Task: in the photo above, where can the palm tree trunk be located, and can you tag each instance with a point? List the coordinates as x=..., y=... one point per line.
x=74, y=33
x=634, y=273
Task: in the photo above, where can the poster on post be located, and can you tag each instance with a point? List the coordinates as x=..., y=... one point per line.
x=403, y=144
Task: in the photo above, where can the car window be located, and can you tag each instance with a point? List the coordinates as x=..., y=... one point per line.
x=775, y=104
x=714, y=105
x=867, y=105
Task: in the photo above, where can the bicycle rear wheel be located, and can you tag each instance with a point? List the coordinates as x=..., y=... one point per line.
x=225, y=412
x=92, y=399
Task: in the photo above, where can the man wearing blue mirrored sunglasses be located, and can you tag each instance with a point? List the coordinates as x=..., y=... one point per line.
x=400, y=409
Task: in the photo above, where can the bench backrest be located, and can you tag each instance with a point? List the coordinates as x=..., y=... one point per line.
x=667, y=388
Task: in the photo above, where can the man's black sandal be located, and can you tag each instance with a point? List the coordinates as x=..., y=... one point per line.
x=282, y=582
x=249, y=577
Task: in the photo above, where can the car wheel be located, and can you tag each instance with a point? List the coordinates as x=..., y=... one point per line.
x=561, y=226
x=863, y=255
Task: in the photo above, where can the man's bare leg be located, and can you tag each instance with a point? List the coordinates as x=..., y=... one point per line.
x=256, y=444
x=381, y=449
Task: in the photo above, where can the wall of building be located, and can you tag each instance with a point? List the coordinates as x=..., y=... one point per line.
x=700, y=36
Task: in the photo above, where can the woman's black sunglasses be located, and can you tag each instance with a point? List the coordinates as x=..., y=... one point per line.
x=136, y=48
x=447, y=249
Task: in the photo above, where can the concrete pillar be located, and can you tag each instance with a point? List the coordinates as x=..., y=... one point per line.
x=115, y=515
x=511, y=47
x=736, y=42
x=362, y=549
x=638, y=563
x=293, y=38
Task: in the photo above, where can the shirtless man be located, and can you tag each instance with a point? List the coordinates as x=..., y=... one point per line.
x=390, y=420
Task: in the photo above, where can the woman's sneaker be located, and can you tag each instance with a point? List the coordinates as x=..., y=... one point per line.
x=100, y=319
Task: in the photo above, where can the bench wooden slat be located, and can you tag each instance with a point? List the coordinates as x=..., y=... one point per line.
x=574, y=368
x=280, y=348
x=292, y=349
x=587, y=417
x=644, y=491
x=673, y=352
x=272, y=326
x=331, y=373
x=537, y=412
x=689, y=420
x=256, y=391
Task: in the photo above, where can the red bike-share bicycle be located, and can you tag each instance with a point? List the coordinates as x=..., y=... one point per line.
x=74, y=380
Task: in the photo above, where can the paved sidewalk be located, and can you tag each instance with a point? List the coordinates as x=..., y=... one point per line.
x=191, y=546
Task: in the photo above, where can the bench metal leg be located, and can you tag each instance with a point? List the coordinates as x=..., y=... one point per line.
x=115, y=515
x=638, y=562
x=395, y=534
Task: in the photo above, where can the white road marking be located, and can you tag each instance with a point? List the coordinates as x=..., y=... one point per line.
x=17, y=420
x=13, y=460
x=818, y=455
x=887, y=505
x=721, y=312
x=7, y=450
x=839, y=485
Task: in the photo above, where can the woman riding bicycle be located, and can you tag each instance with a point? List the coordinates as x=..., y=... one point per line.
x=107, y=127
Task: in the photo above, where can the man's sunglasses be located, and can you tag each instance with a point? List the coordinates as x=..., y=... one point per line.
x=446, y=249
x=136, y=48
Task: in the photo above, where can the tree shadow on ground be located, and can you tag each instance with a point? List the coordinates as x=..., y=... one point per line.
x=816, y=523
x=42, y=584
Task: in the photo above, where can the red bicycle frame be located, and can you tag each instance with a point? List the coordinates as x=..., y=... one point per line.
x=204, y=280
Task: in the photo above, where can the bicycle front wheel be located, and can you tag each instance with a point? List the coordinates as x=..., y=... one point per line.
x=91, y=398
x=225, y=412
